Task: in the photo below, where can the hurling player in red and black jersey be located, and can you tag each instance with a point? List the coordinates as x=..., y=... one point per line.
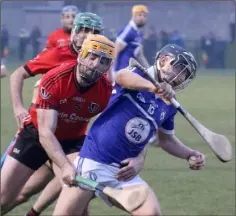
x=48, y=59
x=61, y=36
x=84, y=23
x=69, y=96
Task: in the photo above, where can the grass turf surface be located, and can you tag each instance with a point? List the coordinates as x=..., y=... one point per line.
x=211, y=100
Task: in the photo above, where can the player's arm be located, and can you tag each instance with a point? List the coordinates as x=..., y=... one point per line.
x=133, y=81
x=131, y=166
x=3, y=71
x=16, y=85
x=47, y=105
x=119, y=46
x=171, y=144
x=141, y=58
x=39, y=65
x=47, y=123
x=124, y=37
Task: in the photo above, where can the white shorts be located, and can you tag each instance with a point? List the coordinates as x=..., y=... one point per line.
x=103, y=173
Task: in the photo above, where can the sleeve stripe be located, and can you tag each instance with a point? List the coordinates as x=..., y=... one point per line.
x=119, y=40
x=28, y=70
x=125, y=32
x=56, y=77
x=167, y=131
x=46, y=106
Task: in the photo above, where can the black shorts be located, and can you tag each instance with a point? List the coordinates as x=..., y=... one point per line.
x=28, y=150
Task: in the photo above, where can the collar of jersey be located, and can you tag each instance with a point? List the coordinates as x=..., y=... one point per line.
x=132, y=23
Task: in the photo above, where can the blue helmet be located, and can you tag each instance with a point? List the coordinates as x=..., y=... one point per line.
x=182, y=59
x=69, y=8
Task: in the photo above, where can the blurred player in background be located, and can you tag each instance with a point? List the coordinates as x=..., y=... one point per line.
x=129, y=40
x=69, y=96
x=84, y=24
x=134, y=112
x=61, y=36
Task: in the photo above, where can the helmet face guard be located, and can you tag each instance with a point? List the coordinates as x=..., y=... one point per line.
x=96, y=48
x=92, y=74
x=184, y=66
x=185, y=72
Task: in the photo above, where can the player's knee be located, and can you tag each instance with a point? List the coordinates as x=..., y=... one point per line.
x=154, y=211
x=151, y=211
x=22, y=198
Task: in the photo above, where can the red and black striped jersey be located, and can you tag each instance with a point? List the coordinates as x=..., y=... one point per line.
x=60, y=90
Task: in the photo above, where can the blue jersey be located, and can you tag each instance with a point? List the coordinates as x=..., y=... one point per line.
x=126, y=125
x=131, y=37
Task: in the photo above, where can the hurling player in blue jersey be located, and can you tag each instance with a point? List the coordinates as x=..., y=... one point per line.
x=134, y=113
x=129, y=40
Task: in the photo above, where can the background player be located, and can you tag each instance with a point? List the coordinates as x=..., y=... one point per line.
x=134, y=112
x=69, y=96
x=84, y=23
x=61, y=36
x=129, y=40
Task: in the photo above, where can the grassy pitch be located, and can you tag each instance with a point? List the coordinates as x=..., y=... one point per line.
x=211, y=100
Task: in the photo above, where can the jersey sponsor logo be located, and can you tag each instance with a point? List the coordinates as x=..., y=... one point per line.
x=94, y=107
x=44, y=94
x=140, y=97
x=72, y=118
x=137, y=130
x=78, y=99
x=162, y=115
x=62, y=42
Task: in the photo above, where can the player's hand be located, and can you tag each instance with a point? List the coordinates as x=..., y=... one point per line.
x=166, y=91
x=68, y=174
x=131, y=167
x=20, y=115
x=196, y=160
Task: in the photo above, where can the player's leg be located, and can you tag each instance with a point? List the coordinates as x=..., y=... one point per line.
x=47, y=197
x=26, y=157
x=105, y=174
x=13, y=177
x=36, y=183
x=3, y=158
x=73, y=201
x=151, y=205
x=53, y=189
x=69, y=205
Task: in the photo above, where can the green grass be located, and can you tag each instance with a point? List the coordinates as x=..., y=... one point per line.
x=211, y=99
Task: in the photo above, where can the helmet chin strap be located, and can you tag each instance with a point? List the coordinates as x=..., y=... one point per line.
x=157, y=69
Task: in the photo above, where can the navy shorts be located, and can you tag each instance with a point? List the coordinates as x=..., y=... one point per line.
x=28, y=150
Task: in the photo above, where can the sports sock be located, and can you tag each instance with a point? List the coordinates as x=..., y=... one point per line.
x=32, y=212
